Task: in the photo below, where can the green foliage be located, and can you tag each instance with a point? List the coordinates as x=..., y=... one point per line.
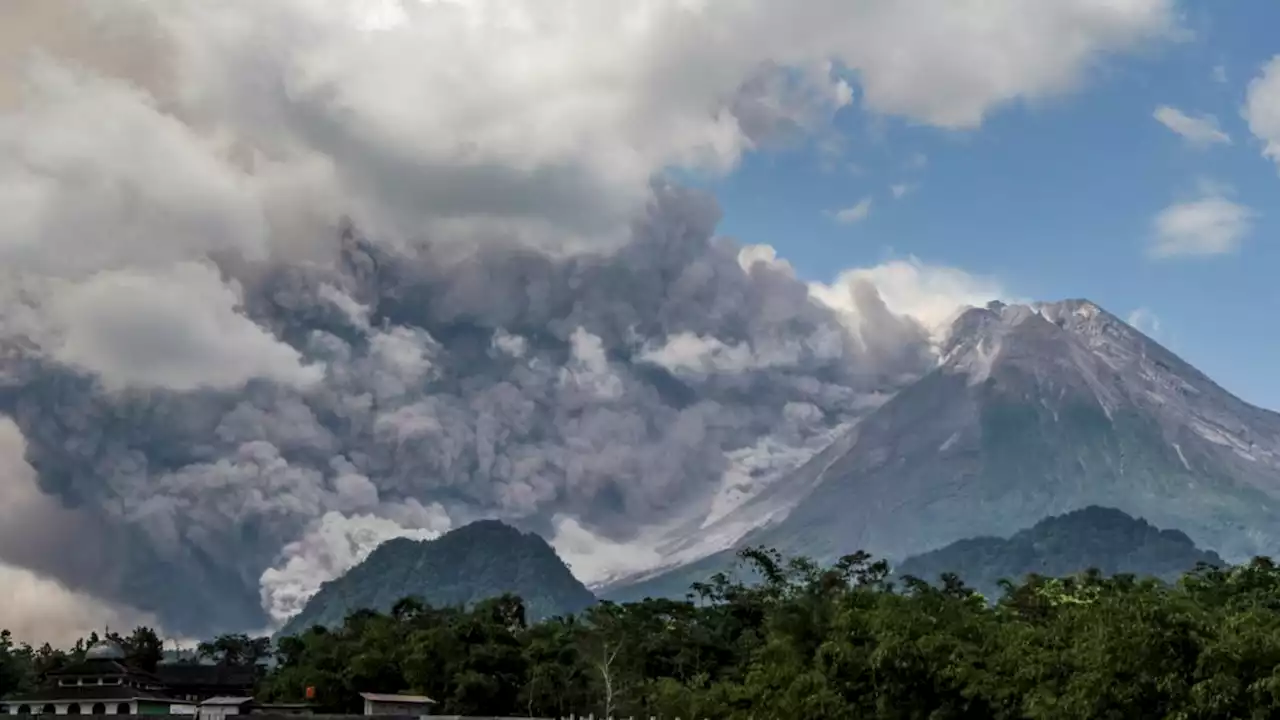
x=802, y=641
x=143, y=648
x=238, y=649
x=475, y=562
x=846, y=641
x=22, y=667
x=1093, y=537
x=17, y=665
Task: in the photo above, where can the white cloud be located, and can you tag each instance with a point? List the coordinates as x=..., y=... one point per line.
x=1144, y=321
x=503, y=115
x=1219, y=74
x=594, y=559
x=241, y=130
x=931, y=294
x=94, y=175
x=854, y=213
x=179, y=330
x=900, y=190
x=694, y=353
x=508, y=344
x=1211, y=225
x=333, y=545
x=688, y=352
x=1200, y=131
x=588, y=368
x=1262, y=108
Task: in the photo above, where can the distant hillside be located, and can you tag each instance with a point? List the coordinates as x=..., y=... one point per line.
x=1094, y=537
x=475, y=562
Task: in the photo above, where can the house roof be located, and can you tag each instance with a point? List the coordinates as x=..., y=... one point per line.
x=99, y=667
x=403, y=699
x=227, y=700
x=87, y=694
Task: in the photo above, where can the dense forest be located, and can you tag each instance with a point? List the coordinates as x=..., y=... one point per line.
x=471, y=563
x=843, y=641
x=1093, y=537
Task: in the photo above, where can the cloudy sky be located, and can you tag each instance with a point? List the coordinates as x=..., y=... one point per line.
x=1149, y=188
x=284, y=279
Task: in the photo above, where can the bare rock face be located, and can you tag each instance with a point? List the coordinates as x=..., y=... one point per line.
x=1035, y=411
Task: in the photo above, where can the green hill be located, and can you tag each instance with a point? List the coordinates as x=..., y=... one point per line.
x=475, y=562
x=1094, y=537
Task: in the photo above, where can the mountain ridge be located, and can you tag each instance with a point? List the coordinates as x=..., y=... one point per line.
x=1091, y=538
x=1034, y=410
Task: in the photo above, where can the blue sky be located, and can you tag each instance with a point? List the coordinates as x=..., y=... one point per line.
x=1058, y=198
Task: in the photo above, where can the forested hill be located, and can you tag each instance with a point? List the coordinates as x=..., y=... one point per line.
x=1095, y=537
x=475, y=562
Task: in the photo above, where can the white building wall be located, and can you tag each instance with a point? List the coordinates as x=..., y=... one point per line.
x=385, y=708
x=85, y=708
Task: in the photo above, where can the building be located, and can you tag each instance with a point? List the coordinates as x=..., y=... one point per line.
x=221, y=707
x=102, y=684
x=383, y=704
x=105, y=684
x=197, y=682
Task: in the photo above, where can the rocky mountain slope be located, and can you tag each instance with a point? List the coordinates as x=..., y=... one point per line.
x=475, y=562
x=1033, y=411
x=1094, y=537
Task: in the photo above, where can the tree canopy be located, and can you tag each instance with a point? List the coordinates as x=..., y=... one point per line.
x=844, y=641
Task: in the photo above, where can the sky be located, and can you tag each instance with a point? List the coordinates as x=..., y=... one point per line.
x=203, y=372
x=1059, y=198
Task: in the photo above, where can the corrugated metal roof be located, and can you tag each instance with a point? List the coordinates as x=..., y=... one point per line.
x=406, y=699
x=227, y=700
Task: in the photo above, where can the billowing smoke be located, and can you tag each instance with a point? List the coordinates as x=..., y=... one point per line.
x=34, y=530
x=285, y=279
x=420, y=389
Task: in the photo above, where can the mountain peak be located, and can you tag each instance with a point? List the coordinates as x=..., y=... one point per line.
x=1083, y=306
x=1074, y=334
x=1036, y=409
x=1070, y=314
x=487, y=529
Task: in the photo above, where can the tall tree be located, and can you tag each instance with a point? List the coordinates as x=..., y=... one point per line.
x=236, y=649
x=143, y=648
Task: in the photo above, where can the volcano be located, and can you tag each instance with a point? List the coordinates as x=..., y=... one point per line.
x=1034, y=411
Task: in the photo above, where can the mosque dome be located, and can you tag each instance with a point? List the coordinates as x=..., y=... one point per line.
x=105, y=650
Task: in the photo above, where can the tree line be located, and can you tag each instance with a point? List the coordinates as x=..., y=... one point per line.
x=23, y=667
x=804, y=641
